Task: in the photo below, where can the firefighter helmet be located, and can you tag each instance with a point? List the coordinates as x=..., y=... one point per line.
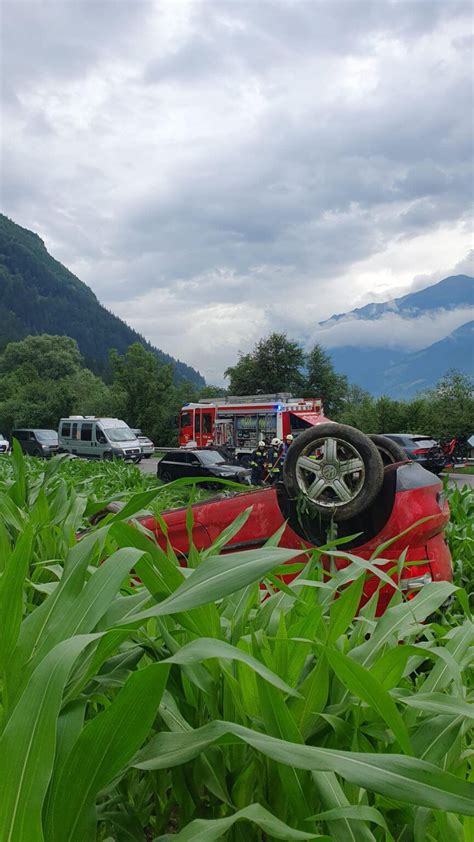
x=275, y=442
x=261, y=443
x=289, y=437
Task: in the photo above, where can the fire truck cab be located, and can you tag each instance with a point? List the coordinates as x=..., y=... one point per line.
x=241, y=422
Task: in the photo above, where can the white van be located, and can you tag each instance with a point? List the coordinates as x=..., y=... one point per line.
x=100, y=438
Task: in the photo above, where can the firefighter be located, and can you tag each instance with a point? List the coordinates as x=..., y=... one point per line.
x=273, y=461
x=257, y=463
x=286, y=444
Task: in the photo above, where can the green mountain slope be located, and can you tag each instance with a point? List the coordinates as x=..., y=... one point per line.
x=39, y=295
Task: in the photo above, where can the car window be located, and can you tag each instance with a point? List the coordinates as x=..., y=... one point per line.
x=192, y=459
x=119, y=433
x=211, y=457
x=425, y=442
x=197, y=423
x=185, y=419
x=207, y=422
x=19, y=434
x=66, y=430
x=86, y=432
x=47, y=436
x=175, y=457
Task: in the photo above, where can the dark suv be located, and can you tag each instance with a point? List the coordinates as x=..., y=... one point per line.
x=199, y=463
x=422, y=449
x=43, y=443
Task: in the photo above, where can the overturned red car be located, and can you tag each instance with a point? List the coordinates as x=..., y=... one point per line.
x=336, y=481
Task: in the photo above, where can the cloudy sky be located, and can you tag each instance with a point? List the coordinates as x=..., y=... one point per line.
x=216, y=170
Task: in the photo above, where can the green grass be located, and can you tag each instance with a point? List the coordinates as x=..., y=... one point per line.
x=459, y=470
x=185, y=707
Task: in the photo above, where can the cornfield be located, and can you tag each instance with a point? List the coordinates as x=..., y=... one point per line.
x=143, y=701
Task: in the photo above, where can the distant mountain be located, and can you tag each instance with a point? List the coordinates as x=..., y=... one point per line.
x=452, y=292
x=414, y=372
x=388, y=368
x=39, y=295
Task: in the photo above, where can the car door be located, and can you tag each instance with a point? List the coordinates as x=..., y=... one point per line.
x=174, y=465
x=195, y=467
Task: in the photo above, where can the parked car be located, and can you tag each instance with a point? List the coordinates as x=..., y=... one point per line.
x=98, y=438
x=41, y=443
x=422, y=449
x=199, y=462
x=4, y=444
x=333, y=476
x=146, y=445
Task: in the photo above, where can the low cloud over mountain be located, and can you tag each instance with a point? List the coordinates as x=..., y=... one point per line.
x=397, y=346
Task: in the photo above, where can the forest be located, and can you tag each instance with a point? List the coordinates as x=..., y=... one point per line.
x=44, y=378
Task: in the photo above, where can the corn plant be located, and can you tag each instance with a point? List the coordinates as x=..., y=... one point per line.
x=144, y=701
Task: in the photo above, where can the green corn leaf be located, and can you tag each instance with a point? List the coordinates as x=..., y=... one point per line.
x=344, y=609
x=205, y=648
x=457, y=647
x=211, y=830
x=27, y=745
x=228, y=533
x=400, y=619
x=361, y=683
x=404, y=779
x=436, y=703
x=216, y=577
x=103, y=749
x=435, y=736
x=333, y=798
x=88, y=608
x=357, y=813
x=11, y=594
x=314, y=690
x=280, y=723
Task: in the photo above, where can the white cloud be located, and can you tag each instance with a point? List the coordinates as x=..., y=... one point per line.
x=394, y=331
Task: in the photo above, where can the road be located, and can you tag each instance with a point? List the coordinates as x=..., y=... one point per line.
x=148, y=466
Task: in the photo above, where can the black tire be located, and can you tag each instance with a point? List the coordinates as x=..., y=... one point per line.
x=147, y=455
x=107, y=456
x=166, y=477
x=38, y=453
x=244, y=459
x=338, y=452
x=389, y=450
x=137, y=460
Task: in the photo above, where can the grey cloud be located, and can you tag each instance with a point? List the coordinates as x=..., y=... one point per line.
x=257, y=152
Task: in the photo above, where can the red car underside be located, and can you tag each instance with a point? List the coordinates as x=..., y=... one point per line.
x=409, y=494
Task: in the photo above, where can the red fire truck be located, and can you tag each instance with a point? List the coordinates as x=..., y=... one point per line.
x=241, y=422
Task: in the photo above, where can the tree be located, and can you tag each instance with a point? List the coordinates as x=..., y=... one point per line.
x=274, y=365
x=322, y=381
x=42, y=380
x=359, y=410
x=450, y=405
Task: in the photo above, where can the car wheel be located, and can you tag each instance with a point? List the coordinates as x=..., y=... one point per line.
x=389, y=450
x=147, y=455
x=137, y=460
x=108, y=456
x=335, y=468
x=38, y=453
x=244, y=459
x=166, y=477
